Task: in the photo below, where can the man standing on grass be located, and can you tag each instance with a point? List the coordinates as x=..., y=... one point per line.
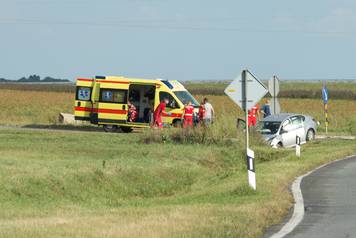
x=266, y=109
x=253, y=115
x=159, y=112
x=209, y=113
x=188, y=115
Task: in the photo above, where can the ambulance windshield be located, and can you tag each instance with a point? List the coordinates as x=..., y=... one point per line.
x=185, y=97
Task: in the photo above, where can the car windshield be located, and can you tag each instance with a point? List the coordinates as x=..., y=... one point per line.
x=185, y=97
x=269, y=127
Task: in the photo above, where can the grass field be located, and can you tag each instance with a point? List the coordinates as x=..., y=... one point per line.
x=289, y=89
x=39, y=107
x=93, y=184
x=89, y=184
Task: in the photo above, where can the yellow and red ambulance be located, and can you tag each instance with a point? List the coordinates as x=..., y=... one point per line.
x=103, y=100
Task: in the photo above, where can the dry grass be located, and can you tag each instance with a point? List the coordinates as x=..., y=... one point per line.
x=32, y=107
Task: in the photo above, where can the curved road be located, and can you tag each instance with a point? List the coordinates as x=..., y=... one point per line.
x=330, y=202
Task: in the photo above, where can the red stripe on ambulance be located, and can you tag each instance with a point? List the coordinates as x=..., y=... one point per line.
x=89, y=109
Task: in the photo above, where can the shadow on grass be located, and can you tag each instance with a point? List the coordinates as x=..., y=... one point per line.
x=63, y=127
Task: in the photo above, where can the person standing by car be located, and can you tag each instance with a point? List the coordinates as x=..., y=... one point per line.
x=159, y=112
x=266, y=109
x=188, y=115
x=253, y=115
x=209, y=113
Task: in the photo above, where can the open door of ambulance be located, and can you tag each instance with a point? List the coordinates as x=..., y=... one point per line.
x=112, y=106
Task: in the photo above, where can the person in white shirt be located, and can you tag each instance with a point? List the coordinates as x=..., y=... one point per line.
x=209, y=112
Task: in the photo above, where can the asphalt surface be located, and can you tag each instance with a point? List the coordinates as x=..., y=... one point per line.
x=330, y=202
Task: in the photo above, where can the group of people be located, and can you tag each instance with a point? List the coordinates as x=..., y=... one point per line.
x=254, y=113
x=205, y=115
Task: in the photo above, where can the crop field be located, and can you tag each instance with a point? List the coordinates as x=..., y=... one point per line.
x=42, y=108
x=82, y=184
x=289, y=89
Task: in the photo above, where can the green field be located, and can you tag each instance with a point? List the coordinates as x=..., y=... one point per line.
x=169, y=183
x=89, y=184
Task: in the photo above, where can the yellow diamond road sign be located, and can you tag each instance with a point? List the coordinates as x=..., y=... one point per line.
x=255, y=90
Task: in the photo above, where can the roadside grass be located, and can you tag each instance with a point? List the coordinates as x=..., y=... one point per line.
x=90, y=184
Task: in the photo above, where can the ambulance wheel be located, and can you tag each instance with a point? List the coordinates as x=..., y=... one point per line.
x=310, y=135
x=110, y=128
x=126, y=129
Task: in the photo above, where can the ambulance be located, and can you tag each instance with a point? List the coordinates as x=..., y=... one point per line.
x=103, y=100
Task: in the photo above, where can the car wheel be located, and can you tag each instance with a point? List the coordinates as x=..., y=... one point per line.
x=110, y=128
x=310, y=135
x=126, y=129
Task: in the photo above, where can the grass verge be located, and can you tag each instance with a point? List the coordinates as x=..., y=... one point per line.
x=89, y=184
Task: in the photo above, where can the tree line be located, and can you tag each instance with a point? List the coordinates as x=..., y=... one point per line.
x=34, y=79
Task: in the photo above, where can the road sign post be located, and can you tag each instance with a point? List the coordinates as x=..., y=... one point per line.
x=246, y=91
x=273, y=88
x=325, y=95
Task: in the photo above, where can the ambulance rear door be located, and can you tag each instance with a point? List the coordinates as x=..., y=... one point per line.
x=83, y=104
x=112, y=105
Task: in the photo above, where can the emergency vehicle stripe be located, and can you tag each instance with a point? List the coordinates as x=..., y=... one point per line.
x=85, y=80
x=174, y=115
x=83, y=109
x=112, y=111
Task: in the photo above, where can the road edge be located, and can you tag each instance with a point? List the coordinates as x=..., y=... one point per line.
x=298, y=208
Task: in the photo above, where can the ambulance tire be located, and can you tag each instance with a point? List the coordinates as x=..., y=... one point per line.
x=177, y=123
x=110, y=128
x=126, y=129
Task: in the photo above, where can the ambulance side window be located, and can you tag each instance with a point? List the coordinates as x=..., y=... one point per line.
x=172, y=102
x=113, y=96
x=83, y=93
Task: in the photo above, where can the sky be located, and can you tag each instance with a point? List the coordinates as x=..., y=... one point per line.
x=184, y=40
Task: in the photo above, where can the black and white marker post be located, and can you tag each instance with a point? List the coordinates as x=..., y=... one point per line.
x=250, y=154
x=246, y=91
x=297, y=146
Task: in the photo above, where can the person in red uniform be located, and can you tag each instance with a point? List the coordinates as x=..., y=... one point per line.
x=132, y=112
x=188, y=115
x=201, y=113
x=253, y=114
x=159, y=112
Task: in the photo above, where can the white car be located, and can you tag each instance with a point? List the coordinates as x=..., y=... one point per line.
x=281, y=130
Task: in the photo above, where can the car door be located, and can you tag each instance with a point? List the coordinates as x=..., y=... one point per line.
x=288, y=134
x=298, y=126
x=112, y=106
x=173, y=107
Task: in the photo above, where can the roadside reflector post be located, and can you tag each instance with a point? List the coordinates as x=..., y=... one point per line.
x=251, y=168
x=297, y=146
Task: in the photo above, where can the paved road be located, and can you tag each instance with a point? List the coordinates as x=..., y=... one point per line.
x=330, y=202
